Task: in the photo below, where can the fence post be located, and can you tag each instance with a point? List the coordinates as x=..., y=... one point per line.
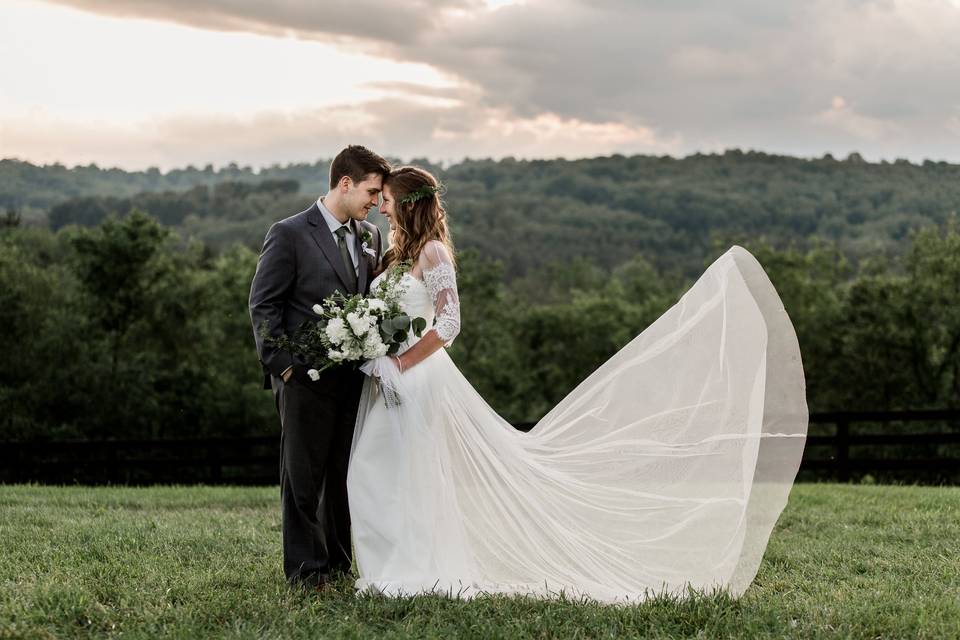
x=113, y=464
x=843, y=450
x=18, y=466
x=213, y=459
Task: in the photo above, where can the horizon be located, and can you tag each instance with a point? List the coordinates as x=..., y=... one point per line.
x=135, y=84
x=256, y=170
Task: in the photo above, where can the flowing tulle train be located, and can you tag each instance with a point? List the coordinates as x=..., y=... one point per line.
x=666, y=468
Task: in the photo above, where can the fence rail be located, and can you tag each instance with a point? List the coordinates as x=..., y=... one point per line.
x=255, y=460
x=938, y=461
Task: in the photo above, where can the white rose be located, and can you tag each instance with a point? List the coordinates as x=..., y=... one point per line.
x=317, y=309
x=314, y=374
x=336, y=330
x=336, y=356
x=359, y=323
x=376, y=304
x=373, y=346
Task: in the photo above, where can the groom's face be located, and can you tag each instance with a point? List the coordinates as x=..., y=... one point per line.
x=363, y=196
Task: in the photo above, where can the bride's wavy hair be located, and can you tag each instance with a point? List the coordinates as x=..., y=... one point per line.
x=416, y=223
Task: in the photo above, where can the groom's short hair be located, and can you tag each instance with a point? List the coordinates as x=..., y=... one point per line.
x=356, y=161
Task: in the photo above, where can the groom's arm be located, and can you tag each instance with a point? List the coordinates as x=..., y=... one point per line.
x=276, y=273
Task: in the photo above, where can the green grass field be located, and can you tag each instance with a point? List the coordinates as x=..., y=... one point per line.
x=195, y=562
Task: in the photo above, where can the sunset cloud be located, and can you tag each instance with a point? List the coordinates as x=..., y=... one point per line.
x=845, y=118
x=566, y=77
x=268, y=137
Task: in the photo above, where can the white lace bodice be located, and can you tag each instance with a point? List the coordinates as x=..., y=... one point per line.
x=435, y=298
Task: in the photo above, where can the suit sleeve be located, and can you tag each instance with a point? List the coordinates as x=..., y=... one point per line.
x=275, y=276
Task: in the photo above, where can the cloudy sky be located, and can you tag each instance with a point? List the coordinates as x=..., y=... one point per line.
x=138, y=83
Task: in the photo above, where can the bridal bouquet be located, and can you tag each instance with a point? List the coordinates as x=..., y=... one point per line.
x=354, y=329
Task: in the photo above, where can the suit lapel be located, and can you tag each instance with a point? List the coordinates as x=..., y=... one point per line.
x=324, y=239
x=362, y=268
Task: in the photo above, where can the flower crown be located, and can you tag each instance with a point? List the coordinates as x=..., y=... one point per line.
x=423, y=192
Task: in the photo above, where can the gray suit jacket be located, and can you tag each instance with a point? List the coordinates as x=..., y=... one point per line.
x=299, y=266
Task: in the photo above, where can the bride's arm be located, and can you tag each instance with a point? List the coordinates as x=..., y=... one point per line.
x=440, y=278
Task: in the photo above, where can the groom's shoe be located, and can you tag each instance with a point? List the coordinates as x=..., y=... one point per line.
x=312, y=581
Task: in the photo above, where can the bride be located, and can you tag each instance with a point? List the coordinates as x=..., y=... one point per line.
x=666, y=468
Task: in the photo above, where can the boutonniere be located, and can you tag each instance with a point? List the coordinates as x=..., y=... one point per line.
x=365, y=238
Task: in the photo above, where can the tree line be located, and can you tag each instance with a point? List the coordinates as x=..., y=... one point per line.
x=529, y=214
x=125, y=330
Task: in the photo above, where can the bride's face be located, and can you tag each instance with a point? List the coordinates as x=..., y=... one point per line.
x=388, y=206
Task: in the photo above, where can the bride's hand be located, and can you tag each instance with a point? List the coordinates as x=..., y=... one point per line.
x=384, y=367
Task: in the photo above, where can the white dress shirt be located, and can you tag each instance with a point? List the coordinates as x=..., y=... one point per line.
x=334, y=224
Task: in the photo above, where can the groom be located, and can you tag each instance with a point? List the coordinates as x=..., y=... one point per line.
x=306, y=258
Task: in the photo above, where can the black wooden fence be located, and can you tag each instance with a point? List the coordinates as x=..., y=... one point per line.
x=875, y=443
x=851, y=451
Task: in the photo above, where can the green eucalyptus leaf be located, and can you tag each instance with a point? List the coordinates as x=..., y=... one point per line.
x=418, y=324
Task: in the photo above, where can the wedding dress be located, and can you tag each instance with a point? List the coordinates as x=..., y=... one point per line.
x=666, y=468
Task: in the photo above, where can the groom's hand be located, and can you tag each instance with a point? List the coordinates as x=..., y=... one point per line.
x=298, y=372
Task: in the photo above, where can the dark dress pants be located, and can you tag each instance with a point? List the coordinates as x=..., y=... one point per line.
x=317, y=420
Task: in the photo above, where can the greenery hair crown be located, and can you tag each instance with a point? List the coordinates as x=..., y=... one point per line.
x=423, y=192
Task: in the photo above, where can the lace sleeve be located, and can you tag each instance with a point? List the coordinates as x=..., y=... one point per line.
x=440, y=278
